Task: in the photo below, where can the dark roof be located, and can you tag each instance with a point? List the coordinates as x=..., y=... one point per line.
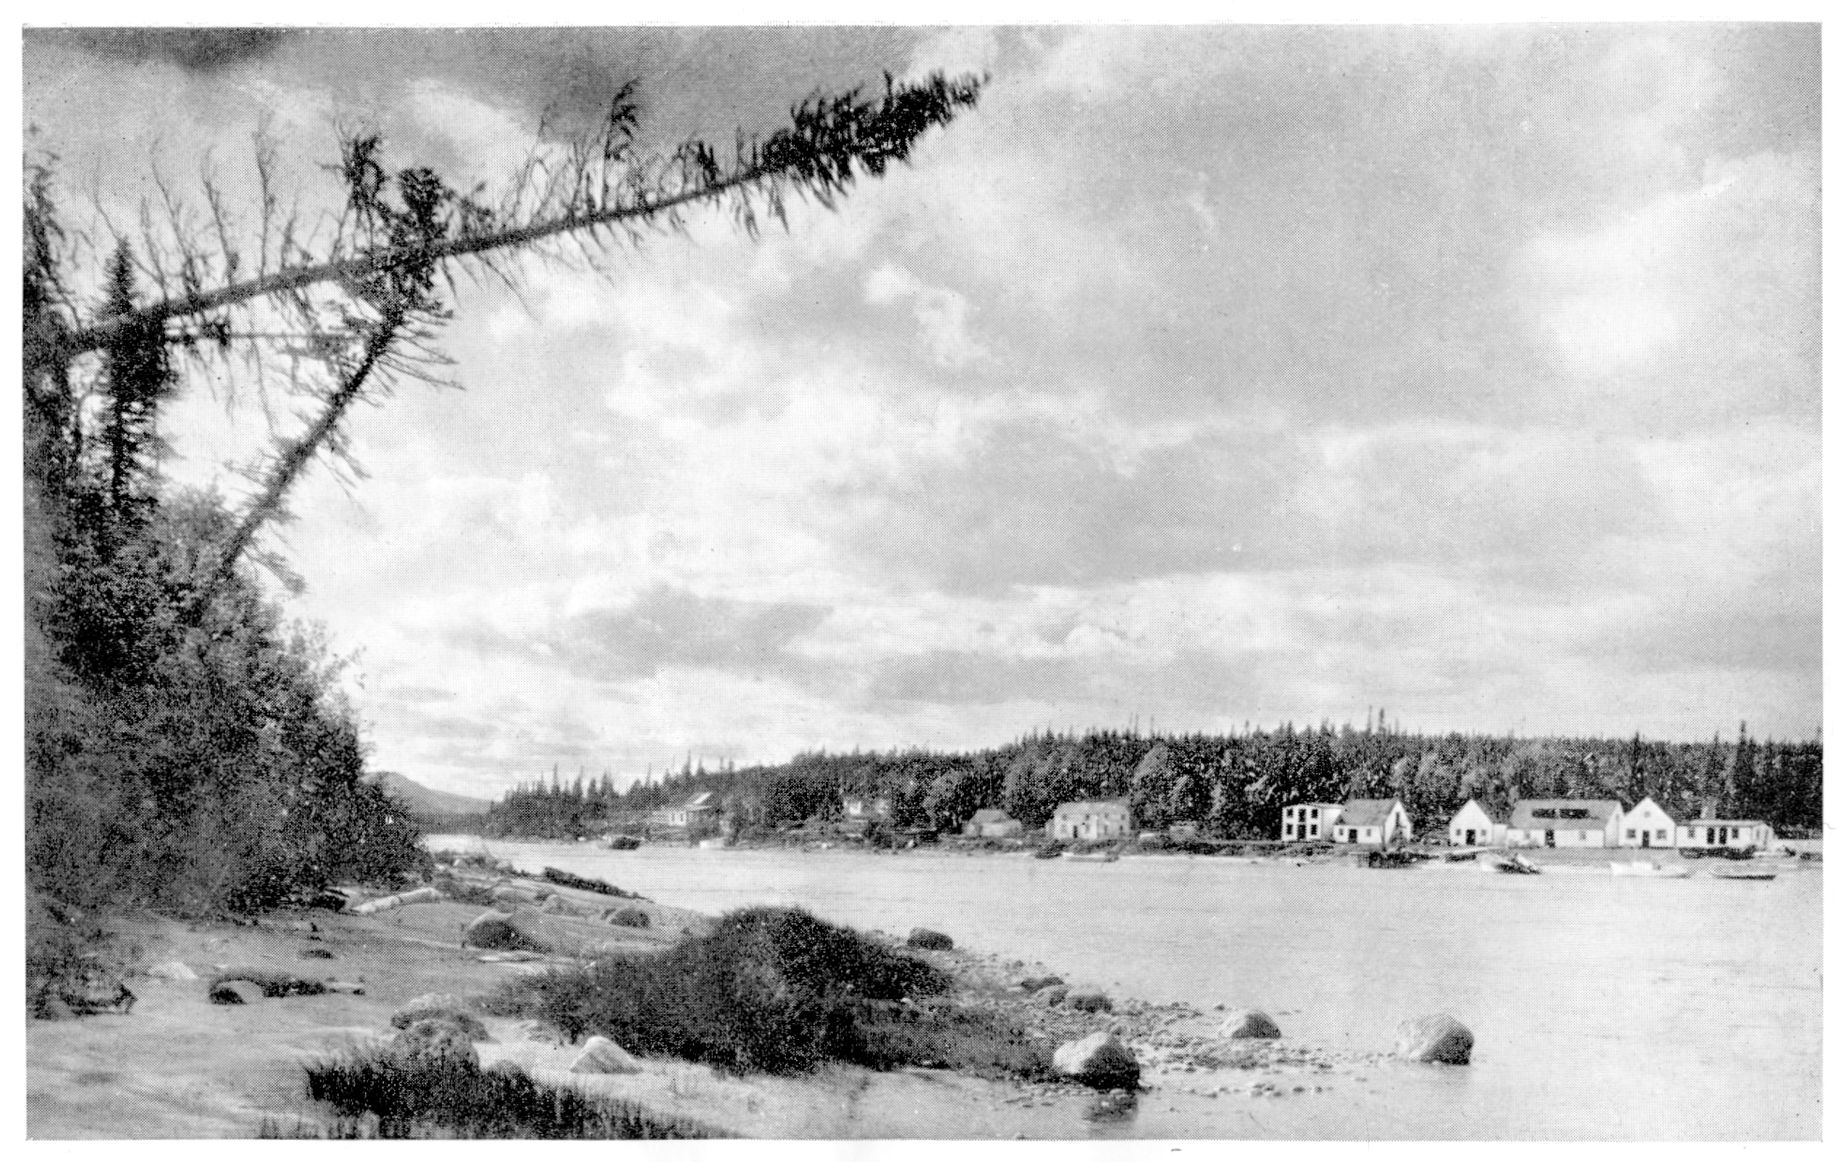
x=699, y=800
x=1365, y=812
x=1567, y=814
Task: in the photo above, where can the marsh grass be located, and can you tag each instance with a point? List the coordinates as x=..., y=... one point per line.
x=379, y=1094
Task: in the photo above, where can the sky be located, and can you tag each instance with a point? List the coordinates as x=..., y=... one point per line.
x=1200, y=377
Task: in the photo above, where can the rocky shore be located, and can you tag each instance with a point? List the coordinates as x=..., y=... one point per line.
x=176, y=1064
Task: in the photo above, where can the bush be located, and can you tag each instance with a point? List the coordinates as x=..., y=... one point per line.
x=630, y=918
x=770, y=989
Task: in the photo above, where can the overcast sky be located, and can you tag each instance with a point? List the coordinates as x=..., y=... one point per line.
x=1199, y=377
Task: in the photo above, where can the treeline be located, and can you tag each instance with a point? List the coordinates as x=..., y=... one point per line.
x=184, y=746
x=1231, y=786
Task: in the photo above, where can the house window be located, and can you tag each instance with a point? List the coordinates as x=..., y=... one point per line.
x=1582, y=835
x=1288, y=831
x=1629, y=833
x=1313, y=812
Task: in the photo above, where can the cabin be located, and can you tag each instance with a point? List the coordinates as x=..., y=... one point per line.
x=1473, y=826
x=1377, y=821
x=1092, y=819
x=865, y=808
x=1734, y=834
x=700, y=812
x=1647, y=825
x=992, y=823
x=1309, y=820
x=1566, y=823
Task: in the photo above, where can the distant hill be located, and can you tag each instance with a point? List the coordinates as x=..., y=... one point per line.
x=426, y=800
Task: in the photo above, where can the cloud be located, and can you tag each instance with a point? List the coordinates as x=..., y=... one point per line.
x=201, y=50
x=939, y=311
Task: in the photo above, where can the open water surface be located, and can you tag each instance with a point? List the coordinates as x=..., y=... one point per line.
x=1604, y=1008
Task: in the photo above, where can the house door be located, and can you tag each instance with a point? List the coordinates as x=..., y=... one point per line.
x=1550, y=839
x=1722, y=837
x=1645, y=839
x=1470, y=838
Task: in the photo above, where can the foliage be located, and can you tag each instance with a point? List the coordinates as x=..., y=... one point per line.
x=769, y=990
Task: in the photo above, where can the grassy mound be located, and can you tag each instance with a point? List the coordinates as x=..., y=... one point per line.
x=774, y=990
x=384, y=1095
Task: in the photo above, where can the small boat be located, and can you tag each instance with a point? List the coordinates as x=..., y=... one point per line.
x=1745, y=873
x=1515, y=865
x=1092, y=856
x=1392, y=859
x=1650, y=870
x=1048, y=853
x=621, y=842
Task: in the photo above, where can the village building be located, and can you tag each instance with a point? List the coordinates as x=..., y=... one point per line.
x=1309, y=820
x=1566, y=823
x=1736, y=834
x=992, y=823
x=866, y=808
x=701, y=812
x=1648, y=825
x=1473, y=826
x=1377, y=821
x=1092, y=819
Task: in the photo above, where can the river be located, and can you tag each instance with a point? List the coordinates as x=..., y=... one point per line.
x=1604, y=1008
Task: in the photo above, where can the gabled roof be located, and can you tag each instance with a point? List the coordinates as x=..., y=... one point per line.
x=1093, y=807
x=1492, y=816
x=1292, y=806
x=1567, y=814
x=701, y=799
x=991, y=815
x=1658, y=807
x=1365, y=812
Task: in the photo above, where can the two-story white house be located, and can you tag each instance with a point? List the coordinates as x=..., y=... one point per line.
x=1309, y=820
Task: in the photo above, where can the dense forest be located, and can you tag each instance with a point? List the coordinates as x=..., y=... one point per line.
x=1232, y=786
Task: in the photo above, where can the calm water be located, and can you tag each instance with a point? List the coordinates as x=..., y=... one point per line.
x=1603, y=1008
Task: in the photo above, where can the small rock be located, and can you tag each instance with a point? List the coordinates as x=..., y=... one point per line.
x=172, y=970
x=315, y=954
x=929, y=940
x=1249, y=1024
x=234, y=992
x=1052, y=995
x=601, y=1055
x=1032, y=984
x=434, y=1039
x=1436, y=1038
x=1090, y=1002
x=1100, y=1060
x=495, y=930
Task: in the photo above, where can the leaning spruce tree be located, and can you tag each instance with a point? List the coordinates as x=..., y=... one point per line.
x=183, y=746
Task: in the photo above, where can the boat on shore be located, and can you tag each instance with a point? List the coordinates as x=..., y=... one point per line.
x=620, y=842
x=1744, y=873
x=1091, y=856
x=1650, y=869
x=1515, y=865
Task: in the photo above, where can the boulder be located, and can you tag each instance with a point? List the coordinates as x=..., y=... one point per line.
x=928, y=939
x=555, y=905
x=1032, y=984
x=442, y=1009
x=433, y=1039
x=628, y=917
x=1090, y=1002
x=495, y=930
x=234, y=992
x=172, y=970
x=1053, y=995
x=1435, y=1038
x=601, y=1055
x=1249, y=1024
x=1100, y=1060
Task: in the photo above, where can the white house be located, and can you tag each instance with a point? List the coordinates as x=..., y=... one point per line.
x=699, y=810
x=1647, y=825
x=1380, y=821
x=1092, y=819
x=1473, y=827
x=1733, y=833
x=1566, y=823
x=992, y=823
x=1310, y=820
x=865, y=807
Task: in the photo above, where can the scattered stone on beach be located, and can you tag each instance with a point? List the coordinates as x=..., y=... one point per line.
x=1090, y=1001
x=601, y=1055
x=316, y=954
x=494, y=930
x=1035, y=984
x=929, y=940
x=1435, y=1038
x=268, y=983
x=172, y=970
x=1249, y=1024
x=1100, y=1060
